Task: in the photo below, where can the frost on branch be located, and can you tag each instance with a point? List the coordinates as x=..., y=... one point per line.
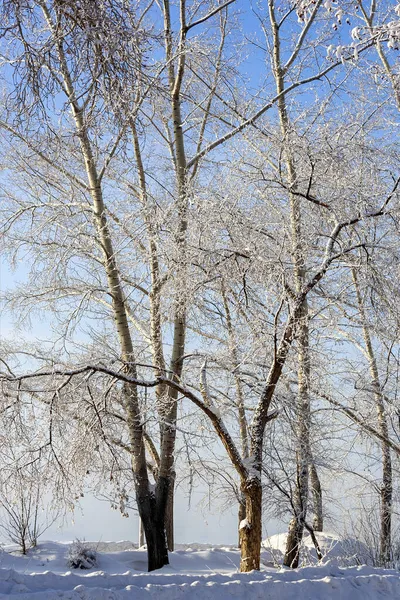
x=389, y=33
x=393, y=33
x=367, y=33
x=304, y=9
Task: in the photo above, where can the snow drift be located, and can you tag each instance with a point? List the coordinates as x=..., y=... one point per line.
x=194, y=574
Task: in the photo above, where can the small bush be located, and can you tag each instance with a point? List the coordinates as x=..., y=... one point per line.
x=81, y=556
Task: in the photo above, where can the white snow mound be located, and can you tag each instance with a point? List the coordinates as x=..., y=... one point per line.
x=336, y=550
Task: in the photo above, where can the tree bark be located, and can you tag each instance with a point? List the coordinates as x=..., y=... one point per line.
x=250, y=528
x=241, y=515
x=141, y=534
x=318, y=521
x=293, y=543
x=169, y=410
x=169, y=514
x=152, y=515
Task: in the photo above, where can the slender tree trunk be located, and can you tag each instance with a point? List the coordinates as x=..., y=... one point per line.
x=156, y=337
x=303, y=454
x=244, y=439
x=175, y=78
x=302, y=428
x=386, y=490
x=318, y=521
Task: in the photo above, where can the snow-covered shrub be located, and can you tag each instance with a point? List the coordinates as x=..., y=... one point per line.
x=81, y=555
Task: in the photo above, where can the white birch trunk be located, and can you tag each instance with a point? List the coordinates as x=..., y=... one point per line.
x=386, y=490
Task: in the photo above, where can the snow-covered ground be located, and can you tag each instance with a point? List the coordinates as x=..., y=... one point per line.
x=195, y=573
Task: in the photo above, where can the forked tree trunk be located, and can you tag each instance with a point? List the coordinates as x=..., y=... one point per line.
x=157, y=553
x=250, y=528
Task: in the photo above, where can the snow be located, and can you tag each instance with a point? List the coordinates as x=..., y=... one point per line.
x=341, y=551
x=195, y=573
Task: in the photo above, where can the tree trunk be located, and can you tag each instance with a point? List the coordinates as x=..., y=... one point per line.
x=250, y=528
x=385, y=542
x=318, y=521
x=239, y=397
x=169, y=515
x=241, y=515
x=386, y=490
x=296, y=525
x=151, y=512
x=141, y=534
x=303, y=453
x=152, y=509
x=293, y=543
x=23, y=545
x=157, y=553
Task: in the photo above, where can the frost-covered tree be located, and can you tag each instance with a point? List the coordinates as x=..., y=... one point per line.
x=180, y=216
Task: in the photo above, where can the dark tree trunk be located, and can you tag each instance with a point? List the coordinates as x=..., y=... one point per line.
x=386, y=511
x=152, y=511
x=157, y=553
x=23, y=545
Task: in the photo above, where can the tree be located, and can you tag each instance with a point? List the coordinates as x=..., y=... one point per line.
x=114, y=152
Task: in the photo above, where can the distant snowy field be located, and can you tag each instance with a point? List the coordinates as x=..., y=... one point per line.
x=196, y=572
